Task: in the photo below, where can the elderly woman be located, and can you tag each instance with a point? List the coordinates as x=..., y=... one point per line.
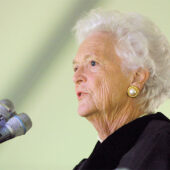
x=121, y=75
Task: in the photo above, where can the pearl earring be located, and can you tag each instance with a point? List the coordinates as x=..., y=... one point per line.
x=133, y=91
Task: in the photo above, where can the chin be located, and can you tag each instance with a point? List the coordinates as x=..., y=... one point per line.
x=85, y=110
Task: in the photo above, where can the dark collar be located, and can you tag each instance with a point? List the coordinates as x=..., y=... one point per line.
x=106, y=155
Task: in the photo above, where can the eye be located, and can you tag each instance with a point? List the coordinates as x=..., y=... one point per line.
x=93, y=63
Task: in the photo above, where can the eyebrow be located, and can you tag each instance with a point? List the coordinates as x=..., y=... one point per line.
x=85, y=58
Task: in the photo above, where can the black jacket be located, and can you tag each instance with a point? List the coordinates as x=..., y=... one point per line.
x=143, y=144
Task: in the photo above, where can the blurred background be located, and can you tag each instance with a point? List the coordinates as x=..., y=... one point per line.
x=36, y=50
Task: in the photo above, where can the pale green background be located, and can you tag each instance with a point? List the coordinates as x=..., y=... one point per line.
x=36, y=50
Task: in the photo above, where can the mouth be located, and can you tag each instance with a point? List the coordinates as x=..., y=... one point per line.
x=81, y=94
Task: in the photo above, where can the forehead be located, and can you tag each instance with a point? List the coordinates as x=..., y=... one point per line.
x=99, y=44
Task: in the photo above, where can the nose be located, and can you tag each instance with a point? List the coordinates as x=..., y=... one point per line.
x=79, y=76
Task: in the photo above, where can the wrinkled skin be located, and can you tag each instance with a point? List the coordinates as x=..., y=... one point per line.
x=98, y=73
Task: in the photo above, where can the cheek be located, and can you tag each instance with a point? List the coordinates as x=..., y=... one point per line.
x=102, y=95
x=109, y=91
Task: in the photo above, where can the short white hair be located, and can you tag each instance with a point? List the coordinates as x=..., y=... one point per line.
x=139, y=43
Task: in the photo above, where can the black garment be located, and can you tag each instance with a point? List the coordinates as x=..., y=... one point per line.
x=143, y=144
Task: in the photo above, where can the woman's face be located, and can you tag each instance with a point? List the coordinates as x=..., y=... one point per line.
x=99, y=82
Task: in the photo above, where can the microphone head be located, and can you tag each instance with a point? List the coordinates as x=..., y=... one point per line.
x=19, y=124
x=8, y=104
x=6, y=110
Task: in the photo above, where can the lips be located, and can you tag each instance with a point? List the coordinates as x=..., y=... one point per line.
x=80, y=94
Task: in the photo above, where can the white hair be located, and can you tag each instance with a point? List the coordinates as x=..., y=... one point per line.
x=140, y=44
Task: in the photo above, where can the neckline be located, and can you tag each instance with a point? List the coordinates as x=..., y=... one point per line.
x=110, y=151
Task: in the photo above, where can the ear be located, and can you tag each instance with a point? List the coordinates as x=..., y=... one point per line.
x=140, y=77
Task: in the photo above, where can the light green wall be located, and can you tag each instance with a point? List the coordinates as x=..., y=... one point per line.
x=59, y=138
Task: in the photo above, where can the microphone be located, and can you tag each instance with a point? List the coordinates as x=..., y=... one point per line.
x=7, y=111
x=8, y=104
x=17, y=125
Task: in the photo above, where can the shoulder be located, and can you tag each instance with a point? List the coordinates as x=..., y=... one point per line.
x=152, y=150
x=157, y=129
x=156, y=134
x=155, y=137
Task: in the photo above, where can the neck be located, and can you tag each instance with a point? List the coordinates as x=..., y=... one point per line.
x=107, y=123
